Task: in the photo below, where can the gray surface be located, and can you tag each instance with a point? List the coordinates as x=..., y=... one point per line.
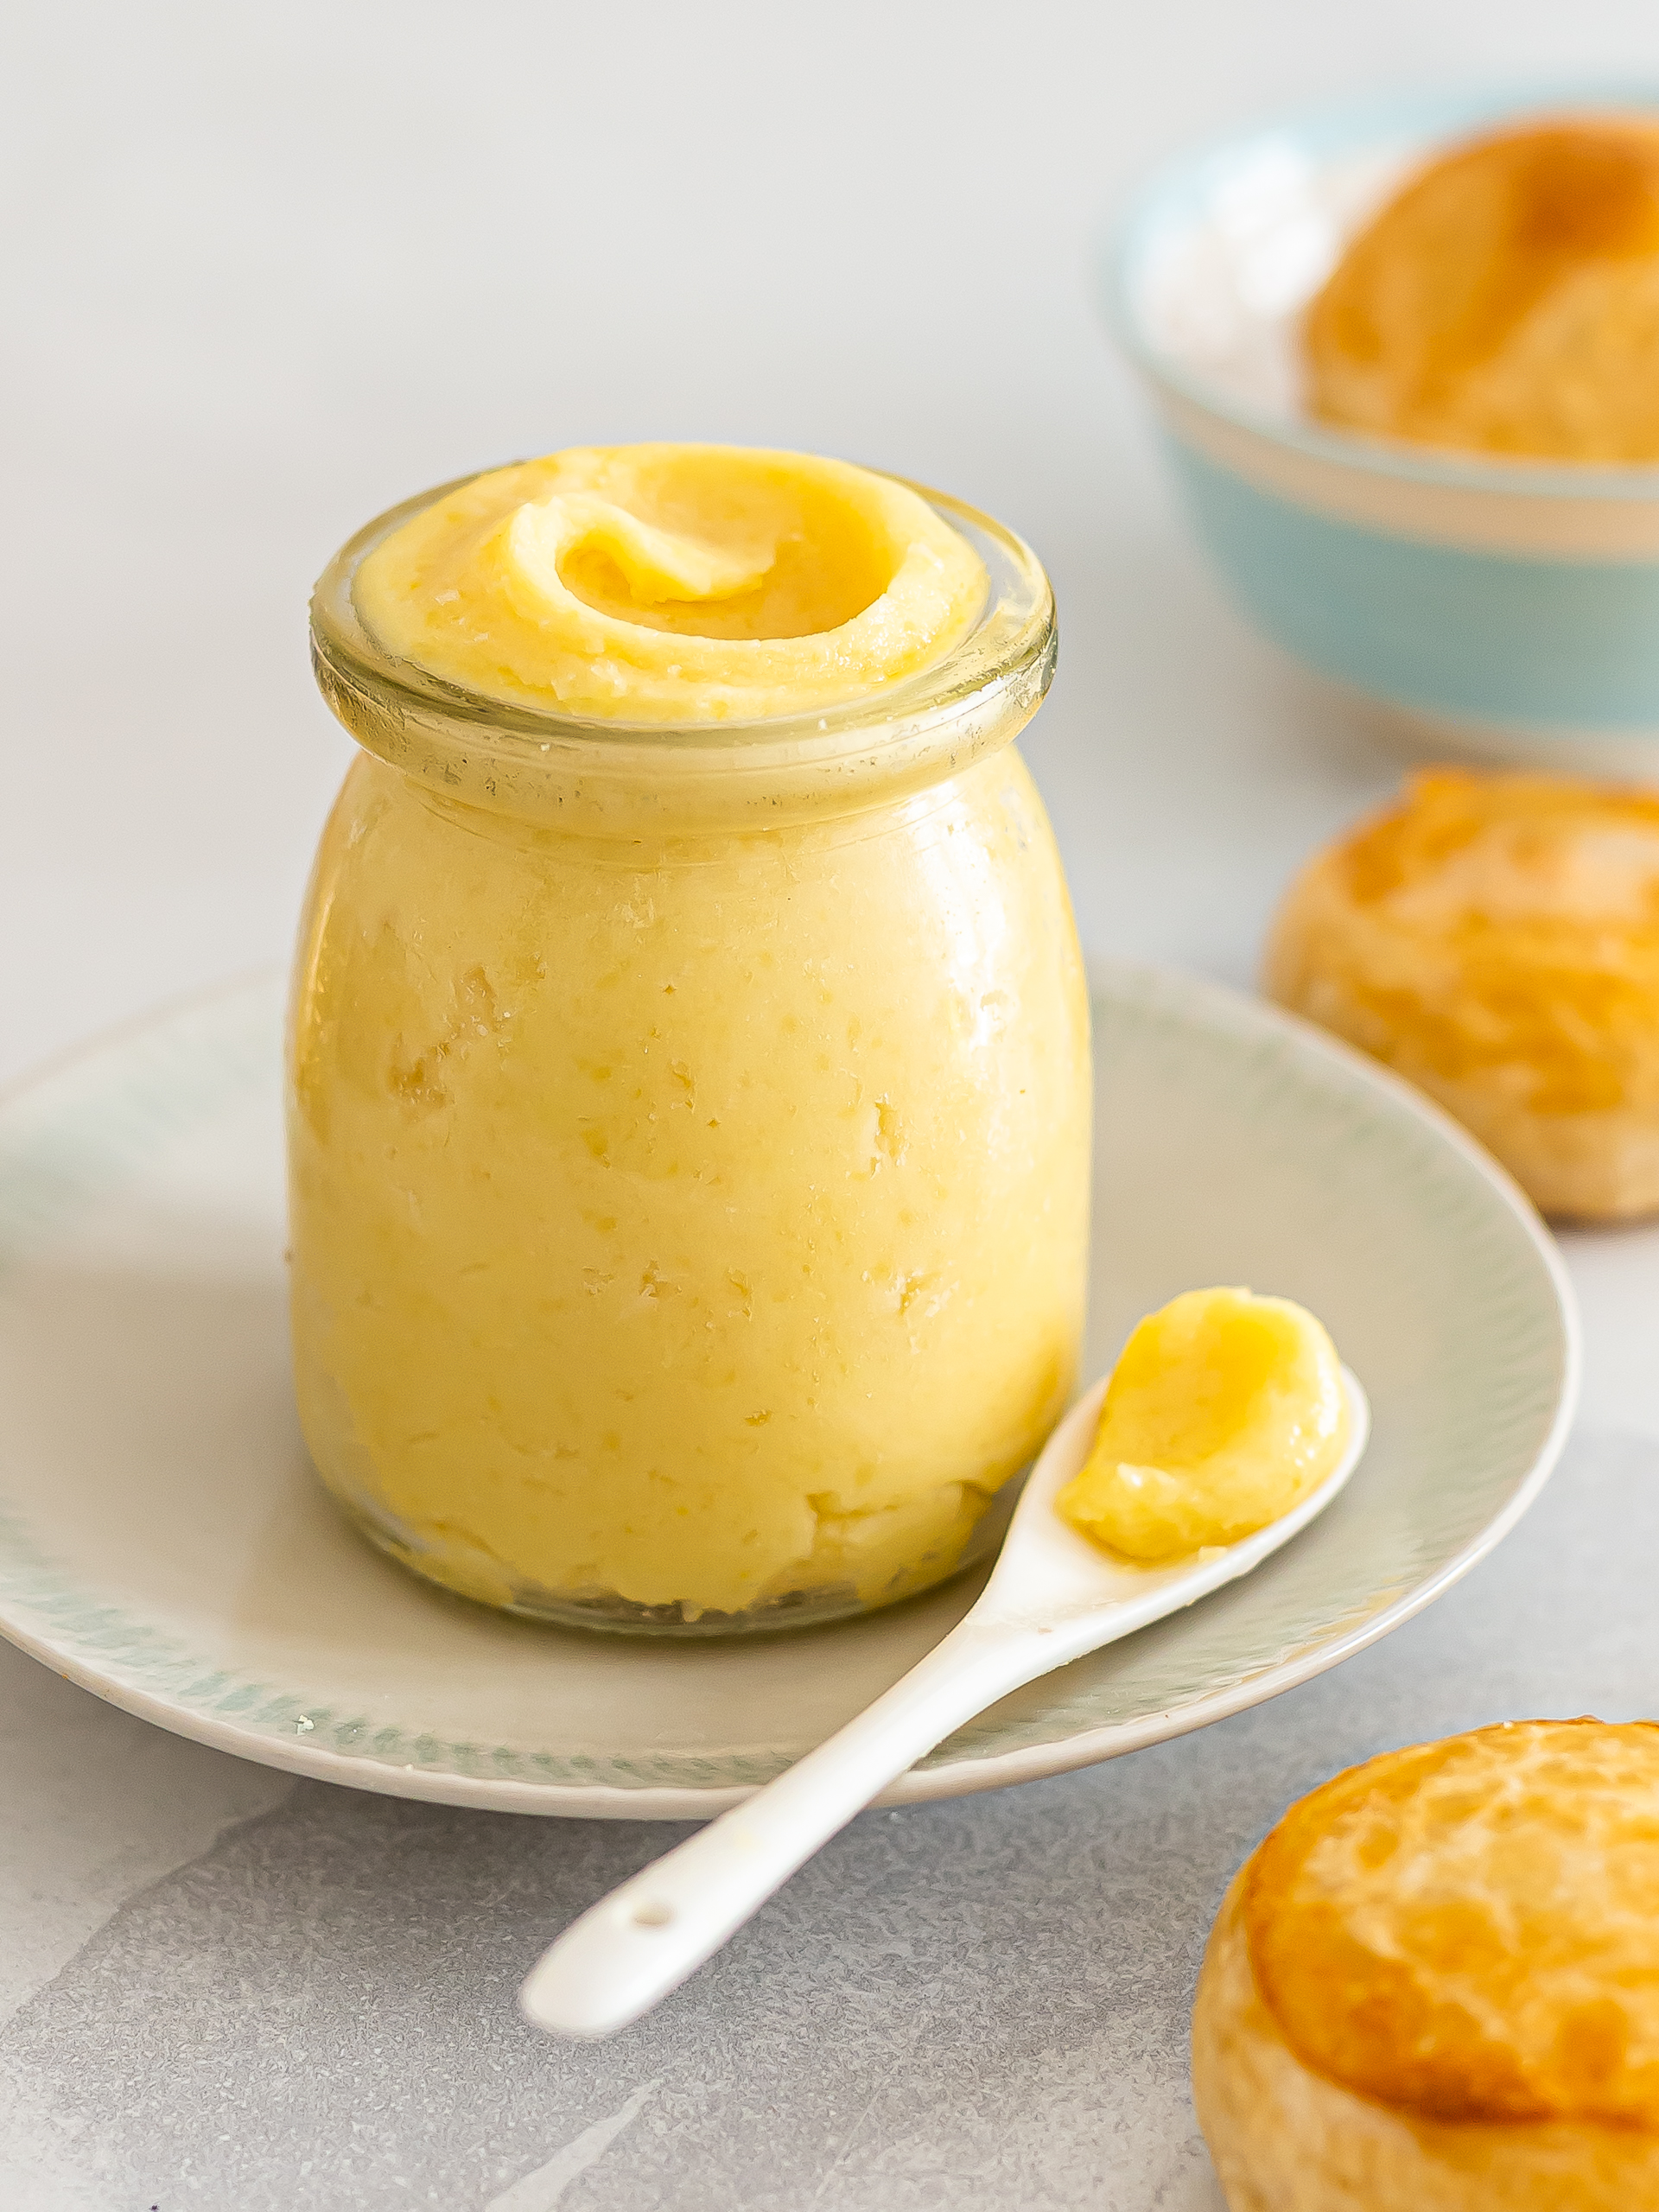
x=956, y=2008
x=269, y=268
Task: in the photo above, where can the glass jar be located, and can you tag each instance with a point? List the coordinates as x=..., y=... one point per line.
x=688, y=1133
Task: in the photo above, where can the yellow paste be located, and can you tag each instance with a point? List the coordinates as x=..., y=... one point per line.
x=692, y=1220
x=1223, y=1411
x=673, y=583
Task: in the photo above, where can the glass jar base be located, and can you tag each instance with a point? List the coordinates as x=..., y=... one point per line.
x=611, y=1614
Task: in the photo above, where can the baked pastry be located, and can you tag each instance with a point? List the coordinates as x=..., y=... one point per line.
x=1495, y=938
x=1435, y=1986
x=1507, y=300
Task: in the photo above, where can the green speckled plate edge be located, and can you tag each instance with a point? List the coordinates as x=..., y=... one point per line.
x=50, y=1165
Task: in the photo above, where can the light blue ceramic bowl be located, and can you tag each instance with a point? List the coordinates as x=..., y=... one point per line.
x=1503, y=608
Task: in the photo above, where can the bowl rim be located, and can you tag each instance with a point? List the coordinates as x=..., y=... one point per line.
x=1322, y=128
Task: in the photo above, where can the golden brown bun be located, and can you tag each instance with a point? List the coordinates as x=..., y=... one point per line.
x=1507, y=300
x=1435, y=1986
x=1495, y=938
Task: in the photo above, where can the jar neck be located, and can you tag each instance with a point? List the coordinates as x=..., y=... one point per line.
x=600, y=779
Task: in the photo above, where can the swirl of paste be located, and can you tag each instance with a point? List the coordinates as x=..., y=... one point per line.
x=673, y=583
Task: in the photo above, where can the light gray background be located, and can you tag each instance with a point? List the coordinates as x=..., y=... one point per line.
x=271, y=268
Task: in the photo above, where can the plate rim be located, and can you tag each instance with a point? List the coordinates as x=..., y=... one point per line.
x=1212, y=1004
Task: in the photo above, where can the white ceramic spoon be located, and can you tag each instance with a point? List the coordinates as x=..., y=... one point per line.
x=1053, y=1596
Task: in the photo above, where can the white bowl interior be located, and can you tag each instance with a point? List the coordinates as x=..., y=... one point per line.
x=1219, y=285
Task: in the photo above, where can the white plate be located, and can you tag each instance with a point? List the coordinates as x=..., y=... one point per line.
x=163, y=1542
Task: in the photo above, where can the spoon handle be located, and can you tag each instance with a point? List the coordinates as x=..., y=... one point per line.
x=632, y=1949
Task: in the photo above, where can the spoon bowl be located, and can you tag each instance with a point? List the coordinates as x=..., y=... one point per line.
x=1050, y=1573
x=1053, y=1596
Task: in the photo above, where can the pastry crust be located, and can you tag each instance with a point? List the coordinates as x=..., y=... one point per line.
x=1496, y=939
x=1435, y=1988
x=1506, y=301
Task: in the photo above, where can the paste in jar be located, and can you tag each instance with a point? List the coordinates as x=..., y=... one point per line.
x=673, y=583
x=688, y=1220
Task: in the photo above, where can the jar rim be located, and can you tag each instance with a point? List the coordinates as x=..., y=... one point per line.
x=533, y=760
